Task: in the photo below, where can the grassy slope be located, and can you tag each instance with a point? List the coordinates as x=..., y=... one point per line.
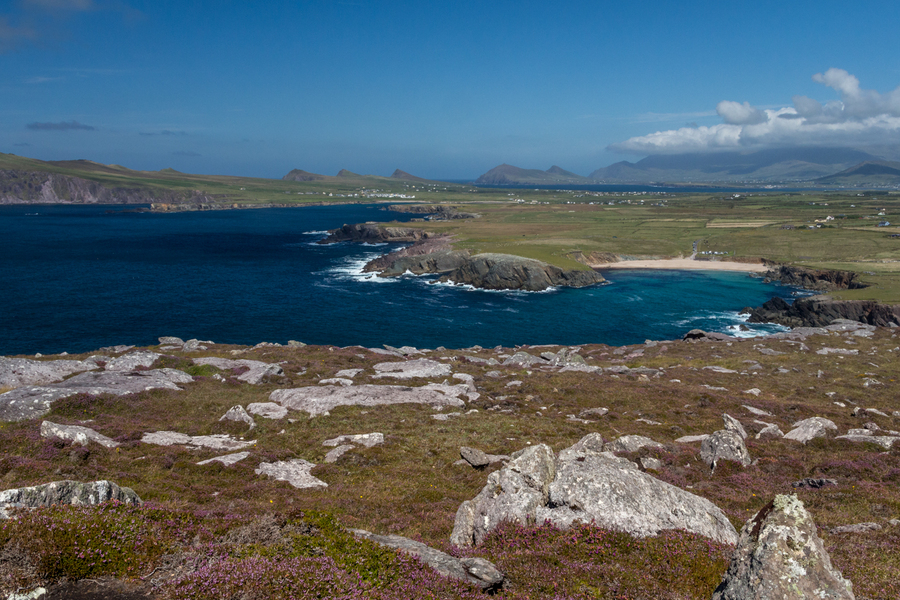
x=411, y=486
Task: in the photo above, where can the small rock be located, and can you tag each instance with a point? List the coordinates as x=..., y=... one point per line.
x=813, y=483
x=75, y=433
x=732, y=424
x=716, y=369
x=650, y=464
x=214, y=442
x=368, y=440
x=474, y=457
x=348, y=373
x=593, y=412
x=856, y=528
x=295, y=472
x=238, y=414
x=227, y=459
x=631, y=443
x=769, y=431
x=171, y=341
x=269, y=410
x=295, y=344
x=130, y=362
x=337, y=452
x=690, y=439
x=756, y=411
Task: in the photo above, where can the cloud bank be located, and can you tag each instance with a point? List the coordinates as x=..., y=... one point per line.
x=64, y=126
x=860, y=118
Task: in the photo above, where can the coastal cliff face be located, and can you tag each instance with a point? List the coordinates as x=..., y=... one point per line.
x=36, y=187
x=507, y=272
x=375, y=234
x=432, y=253
x=815, y=279
x=819, y=311
x=435, y=212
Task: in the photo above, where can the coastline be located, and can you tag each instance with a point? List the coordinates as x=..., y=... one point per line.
x=684, y=264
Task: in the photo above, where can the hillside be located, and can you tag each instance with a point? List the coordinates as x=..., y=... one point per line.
x=866, y=173
x=510, y=175
x=775, y=165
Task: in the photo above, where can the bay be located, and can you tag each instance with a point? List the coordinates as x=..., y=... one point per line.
x=77, y=278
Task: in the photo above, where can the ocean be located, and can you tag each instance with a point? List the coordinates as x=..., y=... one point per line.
x=77, y=278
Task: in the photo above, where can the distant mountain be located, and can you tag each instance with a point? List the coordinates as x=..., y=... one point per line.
x=872, y=172
x=398, y=174
x=301, y=175
x=510, y=175
x=780, y=164
x=346, y=173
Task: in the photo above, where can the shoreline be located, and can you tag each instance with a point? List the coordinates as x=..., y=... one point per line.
x=684, y=264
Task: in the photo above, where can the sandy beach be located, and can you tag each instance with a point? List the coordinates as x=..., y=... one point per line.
x=684, y=264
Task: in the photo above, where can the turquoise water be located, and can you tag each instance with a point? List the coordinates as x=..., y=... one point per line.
x=76, y=278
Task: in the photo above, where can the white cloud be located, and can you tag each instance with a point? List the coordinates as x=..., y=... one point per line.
x=860, y=118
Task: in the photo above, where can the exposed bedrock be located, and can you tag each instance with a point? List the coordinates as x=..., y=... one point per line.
x=815, y=279
x=507, y=272
x=432, y=253
x=372, y=233
x=819, y=311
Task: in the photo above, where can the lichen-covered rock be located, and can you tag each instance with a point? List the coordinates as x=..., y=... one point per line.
x=474, y=457
x=269, y=410
x=368, y=440
x=256, y=371
x=219, y=441
x=16, y=372
x=732, y=424
x=475, y=570
x=724, y=445
x=780, y=557
x=585, y=484
x=65, y=492
x=133, y=360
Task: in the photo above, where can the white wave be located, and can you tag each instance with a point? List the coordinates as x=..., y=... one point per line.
x=351, y=268
x=315, y=233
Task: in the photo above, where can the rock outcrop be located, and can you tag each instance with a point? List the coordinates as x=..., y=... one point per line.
x=75, y=434
x=295, y=472
x=588, y=485
x=780, y=557
x=819, y=311
x=65, y=492
x=810, y=428
x=16, y=372
x=815, y=279
x=475, y=570
x=317, y=400
x=508, y=272
x=375, y=234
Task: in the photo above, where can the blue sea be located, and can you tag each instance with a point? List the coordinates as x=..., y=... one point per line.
x=77, y=278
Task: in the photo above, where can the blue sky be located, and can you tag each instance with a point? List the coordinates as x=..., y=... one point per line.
x=439, y=89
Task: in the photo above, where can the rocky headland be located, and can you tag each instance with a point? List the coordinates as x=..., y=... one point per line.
x=432, y=253
x=705, y=467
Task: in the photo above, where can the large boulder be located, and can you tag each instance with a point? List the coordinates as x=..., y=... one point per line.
x=809, y=429
x=589, y=485
x=422, y=367
x=65, y=492
x=475, y=570
x=724, y=445
x=780, y=557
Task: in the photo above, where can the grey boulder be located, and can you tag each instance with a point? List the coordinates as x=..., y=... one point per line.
x=584, y=484
x=732, y=424
x=295, y=472
x=256, y=371
x=132, y=361
x=781, y=557
x=809, y=429
x=409, y=369
x=475, y=570
x=76, y=434
x=632, y=443
x=724, y=445
x=237, y=414
x=65, y=492
x=16, y=372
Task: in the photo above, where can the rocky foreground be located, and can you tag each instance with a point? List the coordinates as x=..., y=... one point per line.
x=707, y=467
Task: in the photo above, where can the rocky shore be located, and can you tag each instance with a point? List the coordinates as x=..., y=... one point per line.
x=432, y=253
